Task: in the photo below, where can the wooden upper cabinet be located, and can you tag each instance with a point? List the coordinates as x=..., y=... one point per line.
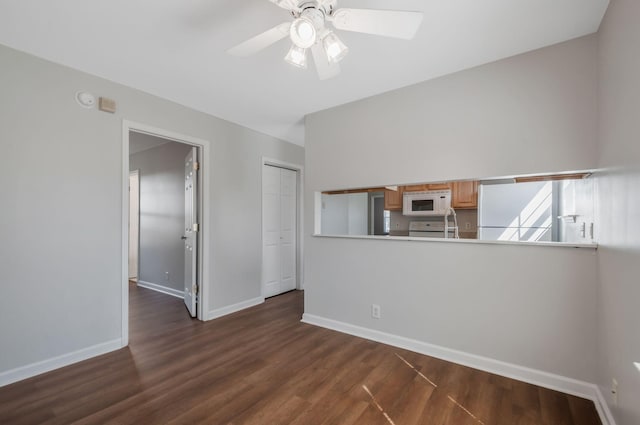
x=438, y=186
x=415, y=188
x=347, y=191
x=393, y=199
x=427, y=186
x=465, y=195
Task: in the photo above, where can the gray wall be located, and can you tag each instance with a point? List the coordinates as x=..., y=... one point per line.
x=61, y=184
x=619, y=212
x=531, y=306
x=161, y=212
x=527, y=114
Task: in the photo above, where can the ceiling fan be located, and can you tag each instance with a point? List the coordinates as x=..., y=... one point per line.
x=310, y=30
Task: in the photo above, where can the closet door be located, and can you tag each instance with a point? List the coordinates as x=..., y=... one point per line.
x=280, y=223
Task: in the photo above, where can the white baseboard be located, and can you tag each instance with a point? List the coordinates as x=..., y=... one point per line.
x=520, y=373
x=160, y=288
x=33, y=369
x=223, y=311
x=603, y=408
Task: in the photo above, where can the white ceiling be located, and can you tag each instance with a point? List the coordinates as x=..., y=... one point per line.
x=175, y=49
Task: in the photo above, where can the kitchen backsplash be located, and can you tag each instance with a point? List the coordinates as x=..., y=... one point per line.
x=400, y=223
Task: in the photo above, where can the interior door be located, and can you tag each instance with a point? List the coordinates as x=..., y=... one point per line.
x=280, y=230
x=134, y=221
x=190, y=231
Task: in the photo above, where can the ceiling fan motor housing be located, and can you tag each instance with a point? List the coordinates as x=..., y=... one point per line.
x=308, y=25
x=325, y=6
x=314, y=15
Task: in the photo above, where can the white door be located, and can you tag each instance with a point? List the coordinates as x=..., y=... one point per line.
x=134, y=222
x=280, y=221
x=190, y=231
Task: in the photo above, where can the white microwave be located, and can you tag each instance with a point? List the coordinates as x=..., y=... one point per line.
x=433, y=202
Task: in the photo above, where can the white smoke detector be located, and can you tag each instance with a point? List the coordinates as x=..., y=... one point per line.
x=85, y=99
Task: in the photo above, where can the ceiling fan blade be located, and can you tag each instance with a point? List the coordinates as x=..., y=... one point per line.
x=389, y=23
x=261, y=41
x=286, y=4
x=325, y=68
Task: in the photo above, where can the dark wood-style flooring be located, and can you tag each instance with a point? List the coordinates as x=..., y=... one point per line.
x=263, y=366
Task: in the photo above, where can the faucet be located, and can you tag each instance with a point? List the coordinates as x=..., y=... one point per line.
x=451, y=211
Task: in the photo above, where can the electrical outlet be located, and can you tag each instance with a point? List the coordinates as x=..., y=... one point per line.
x=614, y=391
x=375, y=311
x=166, y=276
x=467, y=226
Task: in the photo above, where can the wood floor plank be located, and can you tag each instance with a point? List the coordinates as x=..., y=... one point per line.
x=411, y=403
x=263, y=366
x=583, y=411
x=555, y=408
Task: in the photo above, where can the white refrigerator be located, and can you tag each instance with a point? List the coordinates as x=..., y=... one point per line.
x=560, y=211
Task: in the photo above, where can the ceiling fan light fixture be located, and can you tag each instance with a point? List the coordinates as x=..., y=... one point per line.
x=334, y=47
x=303, y=33
x=311, y=26
x=297, y=56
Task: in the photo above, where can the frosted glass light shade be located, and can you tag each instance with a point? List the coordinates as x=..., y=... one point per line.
x=297, y=57
x=334, y=47
x=303, y=33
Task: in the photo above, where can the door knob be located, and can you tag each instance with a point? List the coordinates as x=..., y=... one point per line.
x=184, y=238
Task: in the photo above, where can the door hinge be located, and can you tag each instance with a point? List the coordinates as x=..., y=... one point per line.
x=196, y=165
x=195, y=227
x=195, y=289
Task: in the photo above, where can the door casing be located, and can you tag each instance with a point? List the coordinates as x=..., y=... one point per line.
x=135, y=229
x=204, y=233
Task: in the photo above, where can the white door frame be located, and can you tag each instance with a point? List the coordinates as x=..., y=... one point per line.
x=204, y=233
x=299, y=169
x=137, y=248
x=371, y=203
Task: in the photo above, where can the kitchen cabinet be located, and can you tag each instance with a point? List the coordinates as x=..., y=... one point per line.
x=415, y=188
x=464, y=195
x=393, y=199
x=438, y=186
x=347, y=191
x=430, y=186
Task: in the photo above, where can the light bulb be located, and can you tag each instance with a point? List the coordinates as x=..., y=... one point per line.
x=297, y=56
x=334, y=48
x=303, y=33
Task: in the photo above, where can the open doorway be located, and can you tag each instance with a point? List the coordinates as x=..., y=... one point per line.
x=163, y=247
x=380, y=218
x=164, y=211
